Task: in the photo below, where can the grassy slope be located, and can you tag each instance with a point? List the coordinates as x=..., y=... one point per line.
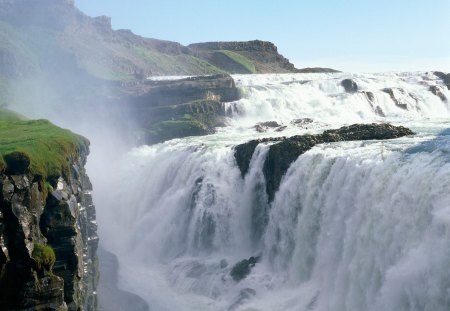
x=181, y=64
x=47, y=146
x=240, y=59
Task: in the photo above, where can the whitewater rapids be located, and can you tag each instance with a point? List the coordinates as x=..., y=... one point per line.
x=354, y=226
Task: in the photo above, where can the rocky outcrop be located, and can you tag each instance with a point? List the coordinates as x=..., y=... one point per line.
x=178, y=108
x=437, y=90
x=262, y=54
x=60, y=215
x=287, y=150
x=159, y=93
x=243, y=268
x=396, y=95
x=349, y=85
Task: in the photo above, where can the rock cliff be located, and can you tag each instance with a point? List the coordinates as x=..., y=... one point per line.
x=48, y=231
x=167, y=109
x=287, y=150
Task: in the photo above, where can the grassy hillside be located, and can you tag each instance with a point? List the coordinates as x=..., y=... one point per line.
x=240, y=59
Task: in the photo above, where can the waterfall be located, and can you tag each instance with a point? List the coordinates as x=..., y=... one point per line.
x=350, y=228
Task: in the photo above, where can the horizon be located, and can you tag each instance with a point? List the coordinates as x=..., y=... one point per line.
x=353, y=37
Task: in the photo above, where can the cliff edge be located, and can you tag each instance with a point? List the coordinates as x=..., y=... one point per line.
x=48, y=232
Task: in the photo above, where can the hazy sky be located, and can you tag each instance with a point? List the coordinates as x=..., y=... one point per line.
x=350, y=35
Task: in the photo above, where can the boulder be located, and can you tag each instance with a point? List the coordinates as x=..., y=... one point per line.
x=242, y=269
x=349, y=85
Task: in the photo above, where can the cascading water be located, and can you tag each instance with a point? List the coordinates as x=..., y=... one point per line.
x=354, y=225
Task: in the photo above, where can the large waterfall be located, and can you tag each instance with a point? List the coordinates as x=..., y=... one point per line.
x=354, y=226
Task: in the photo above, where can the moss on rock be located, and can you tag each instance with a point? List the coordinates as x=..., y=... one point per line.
x=44, y=255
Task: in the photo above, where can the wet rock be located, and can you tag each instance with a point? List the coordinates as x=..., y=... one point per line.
x=242, y=269
x=439, y=74
x=379, y=111
x=269, y=124
x=349, y=85
x=398, y=103
x=264, y=126
x=259, y=128
x=287, y=150
x=370, y=96
x=281, y=128
x=437, y=90
x=302, y=122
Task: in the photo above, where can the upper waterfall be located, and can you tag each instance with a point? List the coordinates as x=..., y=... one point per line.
x=359, y=225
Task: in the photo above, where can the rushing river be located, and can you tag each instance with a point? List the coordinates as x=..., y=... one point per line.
x=354, y=226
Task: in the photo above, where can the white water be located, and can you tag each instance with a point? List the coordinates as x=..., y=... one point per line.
x=351, y=228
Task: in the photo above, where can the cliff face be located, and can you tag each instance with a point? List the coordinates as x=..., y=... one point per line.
x=48, y=232
x=65, y=220
x=169, y=109
x=244, y=57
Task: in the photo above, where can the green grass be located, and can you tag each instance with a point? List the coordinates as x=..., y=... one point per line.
x=240, y=59
x=47, y=146
x=176, y=64
x=170, y=129
x=44, y=255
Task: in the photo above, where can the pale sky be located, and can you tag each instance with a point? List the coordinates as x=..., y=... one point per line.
x=349, y=35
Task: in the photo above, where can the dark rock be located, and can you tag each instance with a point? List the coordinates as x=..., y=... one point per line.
x=263, y=126
x=242, y=269
x=437, y=90
x=302, y=122
x=262, y=54
x=66, y=222
x=370, y=96
x=439, y=74
x=259, y=128
x=269, y=124
x=349, y=85
x=165, y=110
x=243, y=154
x=17, y=162
x=446, y=79
x=391, y=93
x=287, y=150
x=281, y=128
x=380, y=111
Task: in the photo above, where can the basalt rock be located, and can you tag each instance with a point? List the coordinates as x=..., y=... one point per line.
x=284, y=150
x=178, y=108
x=242, y=269
x=32, y=214
x=437, y=90
x=349, y=85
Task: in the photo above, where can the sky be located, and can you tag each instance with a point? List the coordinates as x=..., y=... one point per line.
x=349, y=35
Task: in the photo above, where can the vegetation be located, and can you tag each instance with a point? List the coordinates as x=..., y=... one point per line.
x=44, y=146
x=170, y=129
x=44, y=255
x=178, y=64
x=240, y=59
